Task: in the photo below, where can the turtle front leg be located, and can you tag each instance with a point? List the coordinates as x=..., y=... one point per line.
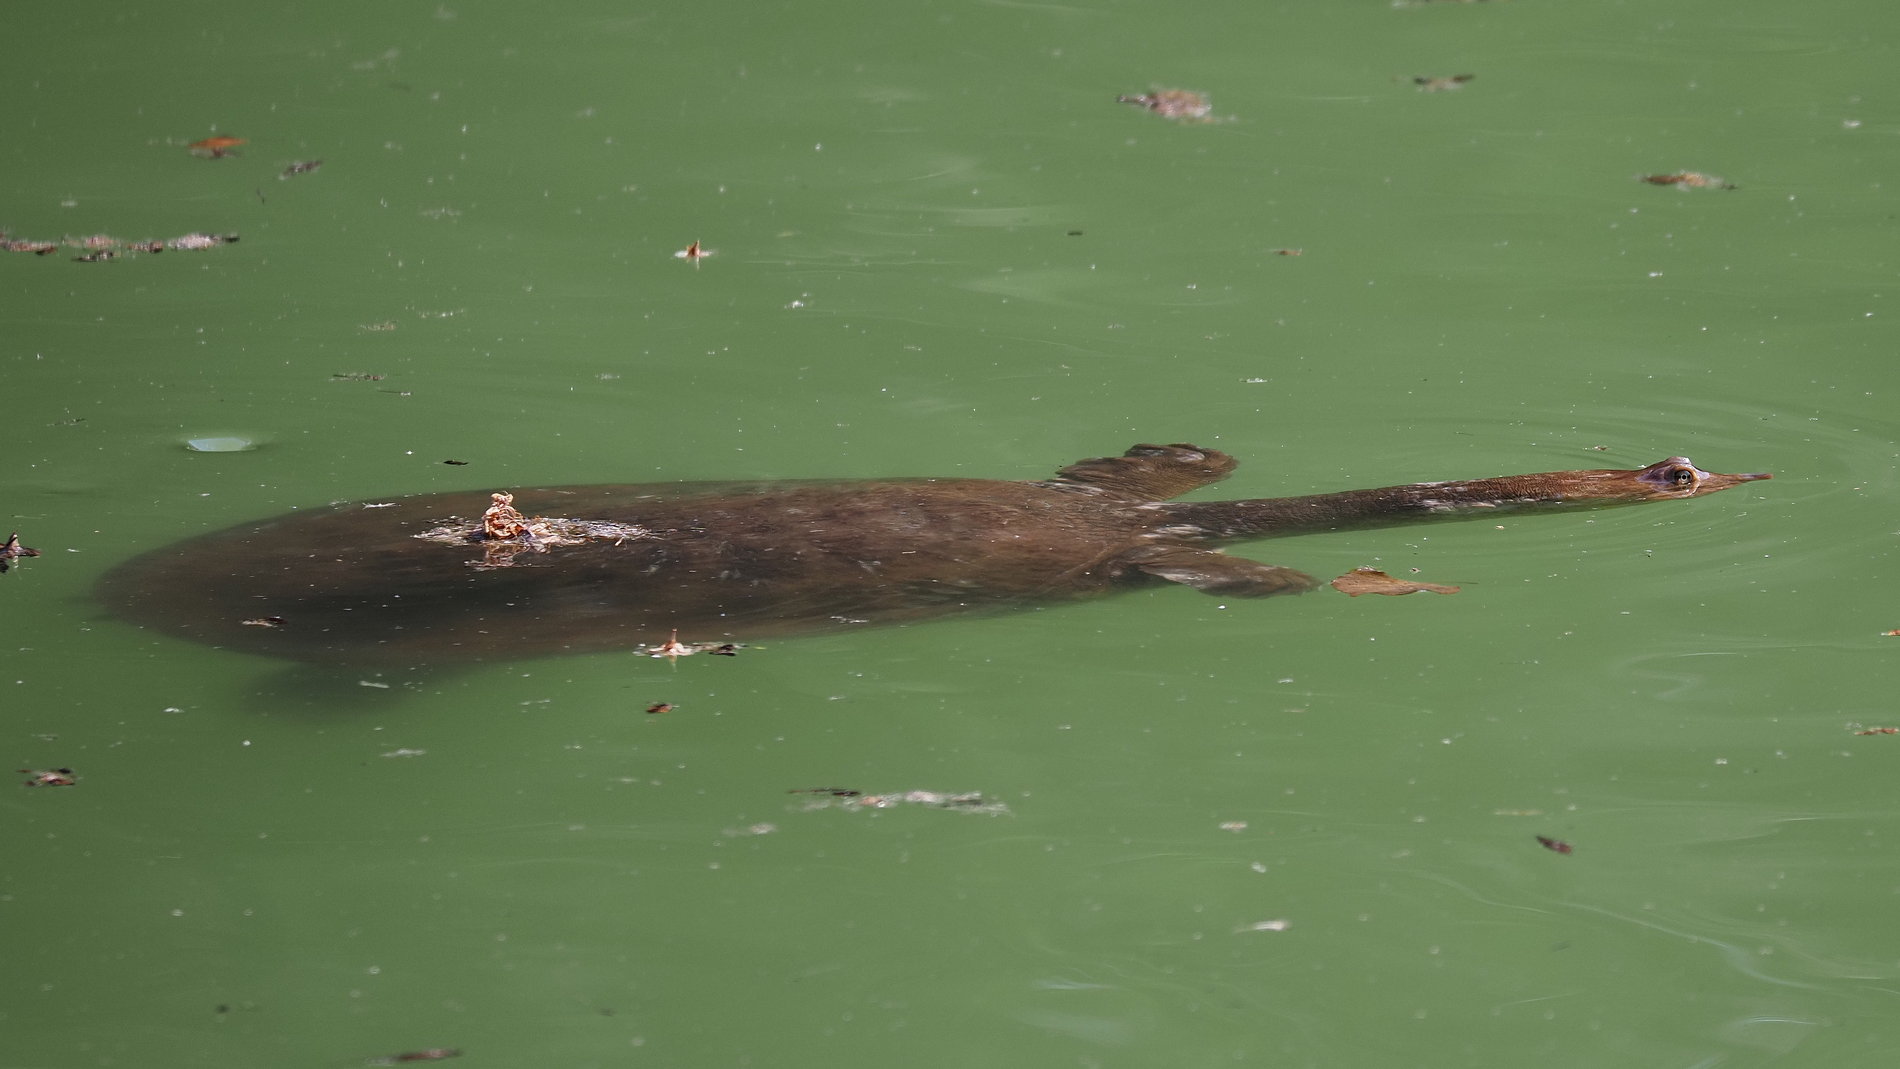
x=1212, y=572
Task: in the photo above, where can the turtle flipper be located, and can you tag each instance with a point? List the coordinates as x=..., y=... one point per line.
x=1212, y=572
x=1147, y=472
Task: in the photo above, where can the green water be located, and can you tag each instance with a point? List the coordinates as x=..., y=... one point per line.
x=1292, y=833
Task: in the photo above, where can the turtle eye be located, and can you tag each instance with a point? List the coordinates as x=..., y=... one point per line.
x=1677, y=476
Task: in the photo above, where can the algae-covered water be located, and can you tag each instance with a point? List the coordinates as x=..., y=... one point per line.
x=1299, y=832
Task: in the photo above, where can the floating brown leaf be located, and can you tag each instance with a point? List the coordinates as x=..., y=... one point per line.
x=1687, y=180
x=1373, y=581
x=501, y=520
x=11, y=550
x=216, y=147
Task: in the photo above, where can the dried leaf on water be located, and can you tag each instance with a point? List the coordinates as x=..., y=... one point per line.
x=1687, y=180
x=1373, y=581
x=11, y=550
x=215, y=147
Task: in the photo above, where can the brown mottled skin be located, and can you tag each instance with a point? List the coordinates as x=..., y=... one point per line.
x=733, y=561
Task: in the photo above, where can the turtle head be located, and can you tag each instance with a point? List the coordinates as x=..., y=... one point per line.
x=1679, y=477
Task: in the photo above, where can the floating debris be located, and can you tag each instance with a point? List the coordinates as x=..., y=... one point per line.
x=694, y=253
x=1278, y=924
x=456, y=463
x=502, y=520
x=1289, y=252
x=846, y=798
x=504, y=533
x=192, y=242
x=299, y=167
x=99, y=247
x=1182, y=105
x=433, y=1054
x=661, y=707
x=1439, y=85
x=264, y=621
x=673, y=647
x=1373, y=581
x=215, y=147
x=1686, y=180
x=1879, y=731
x=48, y=777
x=1557, y=845
x=354, y=376
x=11, y=550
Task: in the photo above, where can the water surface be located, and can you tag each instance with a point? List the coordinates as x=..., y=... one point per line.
x=1299, y=832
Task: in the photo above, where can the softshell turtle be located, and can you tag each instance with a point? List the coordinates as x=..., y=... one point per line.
x=465, y=576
